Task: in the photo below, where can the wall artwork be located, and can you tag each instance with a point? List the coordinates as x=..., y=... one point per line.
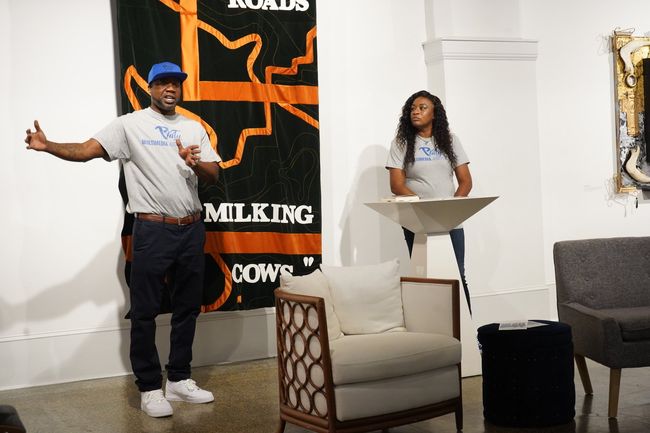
x=632, y=94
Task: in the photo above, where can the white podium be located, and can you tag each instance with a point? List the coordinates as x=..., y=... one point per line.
x=433, y=254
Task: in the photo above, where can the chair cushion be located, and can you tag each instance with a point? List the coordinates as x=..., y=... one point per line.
x=314, y=284
x=362, y=358
x=633, y=321
x=380, y=397
x=367, y=299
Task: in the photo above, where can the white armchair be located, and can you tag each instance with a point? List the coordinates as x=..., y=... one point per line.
x=363, y=382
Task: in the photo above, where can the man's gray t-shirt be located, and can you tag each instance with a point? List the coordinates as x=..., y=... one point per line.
x=431, y=175
x=157, y=179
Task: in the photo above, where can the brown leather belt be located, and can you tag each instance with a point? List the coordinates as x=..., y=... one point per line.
x=167, y=219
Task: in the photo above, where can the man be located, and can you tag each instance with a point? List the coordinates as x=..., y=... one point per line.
x=161, y=177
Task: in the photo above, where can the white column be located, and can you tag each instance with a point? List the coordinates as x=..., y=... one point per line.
x=486, y=76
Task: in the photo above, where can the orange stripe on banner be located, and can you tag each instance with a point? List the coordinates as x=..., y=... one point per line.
x=190, y=49
x=300, y=114
x=233, y=45
x=212, y=134
x=262, y=242
x=258, y=92
x=227, y=285
x=217, y=243
x=189, y=40
x=241, y=142
x=293, y=70
x=171, y=4
x=132, y=74
x=297, y=61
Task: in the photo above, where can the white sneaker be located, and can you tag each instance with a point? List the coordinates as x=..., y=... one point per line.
x=154, y=404
x=187, y=390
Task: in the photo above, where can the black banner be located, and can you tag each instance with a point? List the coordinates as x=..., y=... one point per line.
x=253, y=84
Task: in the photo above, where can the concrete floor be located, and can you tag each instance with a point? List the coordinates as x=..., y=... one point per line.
x=246, y=402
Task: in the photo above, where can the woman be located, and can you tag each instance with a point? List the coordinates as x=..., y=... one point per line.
x=423, y=159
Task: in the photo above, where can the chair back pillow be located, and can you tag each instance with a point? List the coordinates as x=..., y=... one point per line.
x=314, y=284
x=367, y=299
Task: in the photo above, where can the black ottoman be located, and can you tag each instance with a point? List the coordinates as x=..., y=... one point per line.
x=527, y=375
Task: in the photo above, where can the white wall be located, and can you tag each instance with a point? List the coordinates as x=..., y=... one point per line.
x=370, y=61
x=576, y=118
x=62, y=296
x=472, y=18
x=60, y=253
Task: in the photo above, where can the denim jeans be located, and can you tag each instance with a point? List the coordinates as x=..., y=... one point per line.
x=157, y=248
x=458, y=243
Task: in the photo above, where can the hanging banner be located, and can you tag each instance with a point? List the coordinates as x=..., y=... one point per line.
x=253, y=84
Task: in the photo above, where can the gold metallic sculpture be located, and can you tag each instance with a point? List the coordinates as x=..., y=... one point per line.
x=629, y=52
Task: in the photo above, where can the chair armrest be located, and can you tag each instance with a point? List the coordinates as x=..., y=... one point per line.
x=304, y=363
x=431, y=305
x=595, y=334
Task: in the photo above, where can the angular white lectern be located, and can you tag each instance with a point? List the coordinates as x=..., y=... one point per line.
x=433, y=255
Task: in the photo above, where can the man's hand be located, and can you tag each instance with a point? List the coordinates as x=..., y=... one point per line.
x=36, y=140
x=207, y=172
x=190, y=154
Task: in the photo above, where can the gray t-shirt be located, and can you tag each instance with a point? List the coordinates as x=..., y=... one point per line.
x=157, y=179
x=431, y=175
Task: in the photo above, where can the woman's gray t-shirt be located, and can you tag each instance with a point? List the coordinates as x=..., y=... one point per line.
x=431, y=175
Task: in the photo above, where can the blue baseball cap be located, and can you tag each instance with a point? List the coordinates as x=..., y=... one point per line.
x=166, y=70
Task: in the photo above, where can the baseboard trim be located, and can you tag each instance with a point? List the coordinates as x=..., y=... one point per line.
x=163, y=320
x=82, y=354
x=519, y=290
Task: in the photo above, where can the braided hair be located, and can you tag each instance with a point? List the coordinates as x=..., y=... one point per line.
x=406, y=132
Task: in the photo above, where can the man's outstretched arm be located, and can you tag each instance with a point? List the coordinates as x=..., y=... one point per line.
x=79, y=152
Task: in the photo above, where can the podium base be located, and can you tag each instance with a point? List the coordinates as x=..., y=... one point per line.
x=433, y=257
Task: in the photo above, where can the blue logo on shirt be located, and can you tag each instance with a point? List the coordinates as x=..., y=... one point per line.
x=168, y=133
x=169, y=137
x=430, y=153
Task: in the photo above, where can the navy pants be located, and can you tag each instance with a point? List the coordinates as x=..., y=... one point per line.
x=157, y=249
x=458, y=243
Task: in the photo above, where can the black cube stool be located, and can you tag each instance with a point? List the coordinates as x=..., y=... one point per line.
x=527, y=375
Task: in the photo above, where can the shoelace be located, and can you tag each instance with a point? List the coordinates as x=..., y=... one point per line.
x=156, y=396
x=190, y=384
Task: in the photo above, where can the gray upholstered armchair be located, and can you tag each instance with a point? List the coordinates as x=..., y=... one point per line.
x=603, y=292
